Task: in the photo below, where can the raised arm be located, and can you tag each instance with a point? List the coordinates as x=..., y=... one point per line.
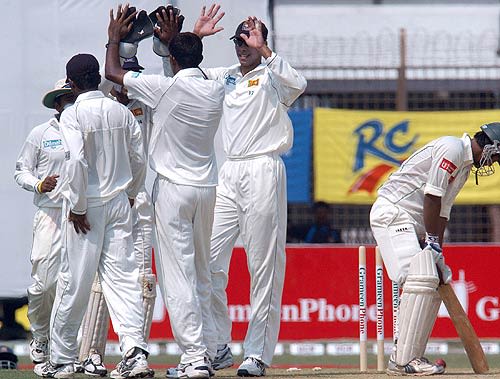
x=256, y=39
x=206, y=25
x=117, y=29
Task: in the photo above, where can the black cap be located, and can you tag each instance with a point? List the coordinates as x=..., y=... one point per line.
x=132, y=64
x=243, y=29
x=81, y=64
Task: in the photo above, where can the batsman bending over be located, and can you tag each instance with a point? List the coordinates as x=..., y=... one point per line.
x=411, y=212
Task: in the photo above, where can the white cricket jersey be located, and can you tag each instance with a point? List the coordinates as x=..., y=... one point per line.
x=255, y=119
x=186, y=114
x=103, y=144
x=440, y=168
x=42, y=155
x=142, y=114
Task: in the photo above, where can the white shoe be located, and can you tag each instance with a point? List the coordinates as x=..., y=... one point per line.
x=51, y=370
x=252, y=367
x=416, y=367
x=223, y=358
x=39, y=350
x=78, y=368
x=93, y=365
x=134, y=365
x=200, y=369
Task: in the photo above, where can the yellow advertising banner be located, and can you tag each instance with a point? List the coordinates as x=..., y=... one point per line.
x=356, y=151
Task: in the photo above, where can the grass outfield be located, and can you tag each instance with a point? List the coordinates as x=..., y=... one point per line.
x=338, y=367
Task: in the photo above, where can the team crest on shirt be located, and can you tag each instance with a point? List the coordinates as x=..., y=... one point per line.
x=137, y=112
x=230, y=80
x=253, y=83
x=447, y=166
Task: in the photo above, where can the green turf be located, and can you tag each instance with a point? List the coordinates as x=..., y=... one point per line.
x=343, y=367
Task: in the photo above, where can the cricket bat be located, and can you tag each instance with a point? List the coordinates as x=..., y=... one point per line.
x=464, y=329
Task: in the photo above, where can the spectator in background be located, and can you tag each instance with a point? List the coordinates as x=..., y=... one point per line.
x=322, y=231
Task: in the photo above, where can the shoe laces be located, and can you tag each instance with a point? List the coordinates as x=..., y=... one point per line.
x=40, y=345
x=258, y=362
x=421, y=361
x=95, y=359
x=425, y=360
x=49, y=366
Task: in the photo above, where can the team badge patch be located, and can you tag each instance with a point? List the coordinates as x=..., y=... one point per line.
x=137, y=112
x=230, y=80
x=447, y=166
x=252, y=83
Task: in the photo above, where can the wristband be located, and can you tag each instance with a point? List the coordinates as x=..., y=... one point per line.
x=431, y=238
x=39, y=186
x=111, y=43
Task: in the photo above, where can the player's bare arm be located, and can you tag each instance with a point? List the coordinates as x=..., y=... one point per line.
x=48, y=184
x=434, y=223
x=206, y=25
x=80, y=222
x=118, y=28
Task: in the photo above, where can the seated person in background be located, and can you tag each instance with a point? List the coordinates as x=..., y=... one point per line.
x=321, y=231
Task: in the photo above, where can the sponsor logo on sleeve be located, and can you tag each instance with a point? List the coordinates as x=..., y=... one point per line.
x=135, y=74
x=253, y=83
x=448, y=166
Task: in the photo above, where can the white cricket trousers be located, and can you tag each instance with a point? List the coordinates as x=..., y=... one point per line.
x=142, y=231
x=45, y=260
x=397, y=235
x=108, y=250
x=251, y=201
x=183, y=217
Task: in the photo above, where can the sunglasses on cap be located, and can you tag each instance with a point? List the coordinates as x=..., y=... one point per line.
x=239, y=42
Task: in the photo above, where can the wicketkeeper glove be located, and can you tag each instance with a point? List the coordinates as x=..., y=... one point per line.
x=159, y=48
x=141, y=29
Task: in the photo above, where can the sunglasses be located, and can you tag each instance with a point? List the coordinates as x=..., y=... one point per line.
x=239, y=42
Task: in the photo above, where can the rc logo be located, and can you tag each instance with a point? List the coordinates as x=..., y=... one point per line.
x=373, y=140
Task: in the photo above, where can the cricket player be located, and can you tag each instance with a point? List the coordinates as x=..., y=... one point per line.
x=142, y=211
x=408, y=221
x=39, y=169
x=251, y=195
x=105, y=171
x=186, y=113
x=96, y=321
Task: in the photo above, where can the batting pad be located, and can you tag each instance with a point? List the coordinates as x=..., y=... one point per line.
x=417, y=311
x=432, y=315
x=148, y=302
x=95, y=323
